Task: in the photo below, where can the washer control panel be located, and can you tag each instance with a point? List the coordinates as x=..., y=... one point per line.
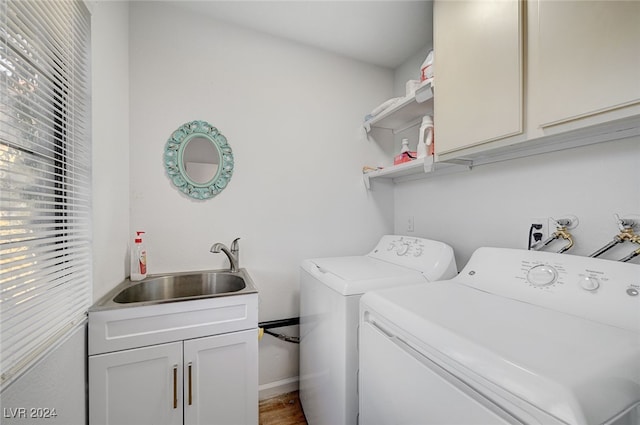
x=602, y=290
x=406, y=246
x=425, y=255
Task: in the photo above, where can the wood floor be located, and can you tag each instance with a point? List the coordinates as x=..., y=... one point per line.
x=284, y=409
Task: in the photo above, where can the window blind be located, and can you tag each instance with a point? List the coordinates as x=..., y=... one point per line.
x=45, y=177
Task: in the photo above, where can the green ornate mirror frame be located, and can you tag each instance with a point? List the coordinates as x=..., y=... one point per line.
x=198, y=160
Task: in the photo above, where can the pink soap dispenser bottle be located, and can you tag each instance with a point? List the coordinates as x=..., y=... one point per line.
x=138, y=258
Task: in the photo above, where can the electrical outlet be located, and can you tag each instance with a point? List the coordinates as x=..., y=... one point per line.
x=410, y=224
x=542, y=233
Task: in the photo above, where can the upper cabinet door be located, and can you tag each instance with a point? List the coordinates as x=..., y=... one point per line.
x=589, y=59
x=478, y=63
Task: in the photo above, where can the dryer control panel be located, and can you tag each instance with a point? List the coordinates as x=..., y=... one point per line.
x=602, y=290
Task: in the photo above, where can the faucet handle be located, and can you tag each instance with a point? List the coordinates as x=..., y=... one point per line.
x=234, y=244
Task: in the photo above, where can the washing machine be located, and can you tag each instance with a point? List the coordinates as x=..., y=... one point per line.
x=330, y=291
x=518, y=337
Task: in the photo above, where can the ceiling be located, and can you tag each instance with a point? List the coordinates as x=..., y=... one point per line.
x=383, y=33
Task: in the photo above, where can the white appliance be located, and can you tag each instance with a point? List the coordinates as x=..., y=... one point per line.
x=330, y=291
x=518, y=337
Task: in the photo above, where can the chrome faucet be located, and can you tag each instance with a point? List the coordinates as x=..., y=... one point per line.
x=235, y=250
x=233, y=255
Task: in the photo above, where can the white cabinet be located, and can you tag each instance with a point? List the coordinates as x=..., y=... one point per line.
x=478, y=65
x=589, y=58
x=221, y=379
x=142, y=386
x=188, y=362
x=517, y=78
x=206, y=381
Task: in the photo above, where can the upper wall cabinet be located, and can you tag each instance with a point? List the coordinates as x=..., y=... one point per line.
x=478, y=72
x=589, y=58
x=515, y=78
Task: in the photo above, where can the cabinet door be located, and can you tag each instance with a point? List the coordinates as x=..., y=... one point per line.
x=221, y=379
x=478, y=72
x=589, y=60
x=139, y=386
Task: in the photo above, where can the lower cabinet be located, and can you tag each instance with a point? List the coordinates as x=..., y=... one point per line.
x=209, y=380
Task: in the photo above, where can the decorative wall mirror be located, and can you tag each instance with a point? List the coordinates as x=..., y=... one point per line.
x=198, y=160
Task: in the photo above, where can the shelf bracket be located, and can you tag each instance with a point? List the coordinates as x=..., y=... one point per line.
x=424, y=93
x=463, y=162
x=429, y=165
x=367, y=181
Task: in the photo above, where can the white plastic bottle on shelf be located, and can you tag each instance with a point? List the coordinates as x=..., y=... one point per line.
x=425, y=138
x=405, y=146
x=138, y=258
x=426, y=70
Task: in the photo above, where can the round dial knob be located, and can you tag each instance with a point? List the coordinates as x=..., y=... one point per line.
x=542, y=275
x=589, y=283
x=403, y=249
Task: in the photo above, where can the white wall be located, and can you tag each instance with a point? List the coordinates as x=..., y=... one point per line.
x=410, y=69
x=291, y=115
x=492, y=205
x=110, y=74
x=56, y=382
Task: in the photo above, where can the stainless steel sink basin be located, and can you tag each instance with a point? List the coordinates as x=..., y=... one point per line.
x=181, y=286
x=171, y=287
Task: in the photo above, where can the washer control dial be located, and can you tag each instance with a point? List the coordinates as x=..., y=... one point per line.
x=589, y=283
x=542, y=275
x=403, y=249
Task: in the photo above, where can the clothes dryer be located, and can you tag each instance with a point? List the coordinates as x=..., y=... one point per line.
x=518, y=337
x=330, y=291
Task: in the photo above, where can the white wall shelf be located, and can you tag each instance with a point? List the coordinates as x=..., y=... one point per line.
x=426, y=167
x=418, y=168
x=406, y=113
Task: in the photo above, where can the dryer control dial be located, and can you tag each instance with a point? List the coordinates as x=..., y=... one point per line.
x=589, y=283
x=542, y=275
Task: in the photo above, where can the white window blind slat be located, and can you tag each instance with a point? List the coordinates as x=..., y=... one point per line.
x=18, y=283
x=15, y=272
x=35, y=18
x=56, y=298
x=19, y=325
x=45, y=171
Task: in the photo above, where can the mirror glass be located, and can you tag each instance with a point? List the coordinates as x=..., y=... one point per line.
x=198, y=160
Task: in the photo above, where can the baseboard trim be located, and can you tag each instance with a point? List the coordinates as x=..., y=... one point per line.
x=276, y=388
